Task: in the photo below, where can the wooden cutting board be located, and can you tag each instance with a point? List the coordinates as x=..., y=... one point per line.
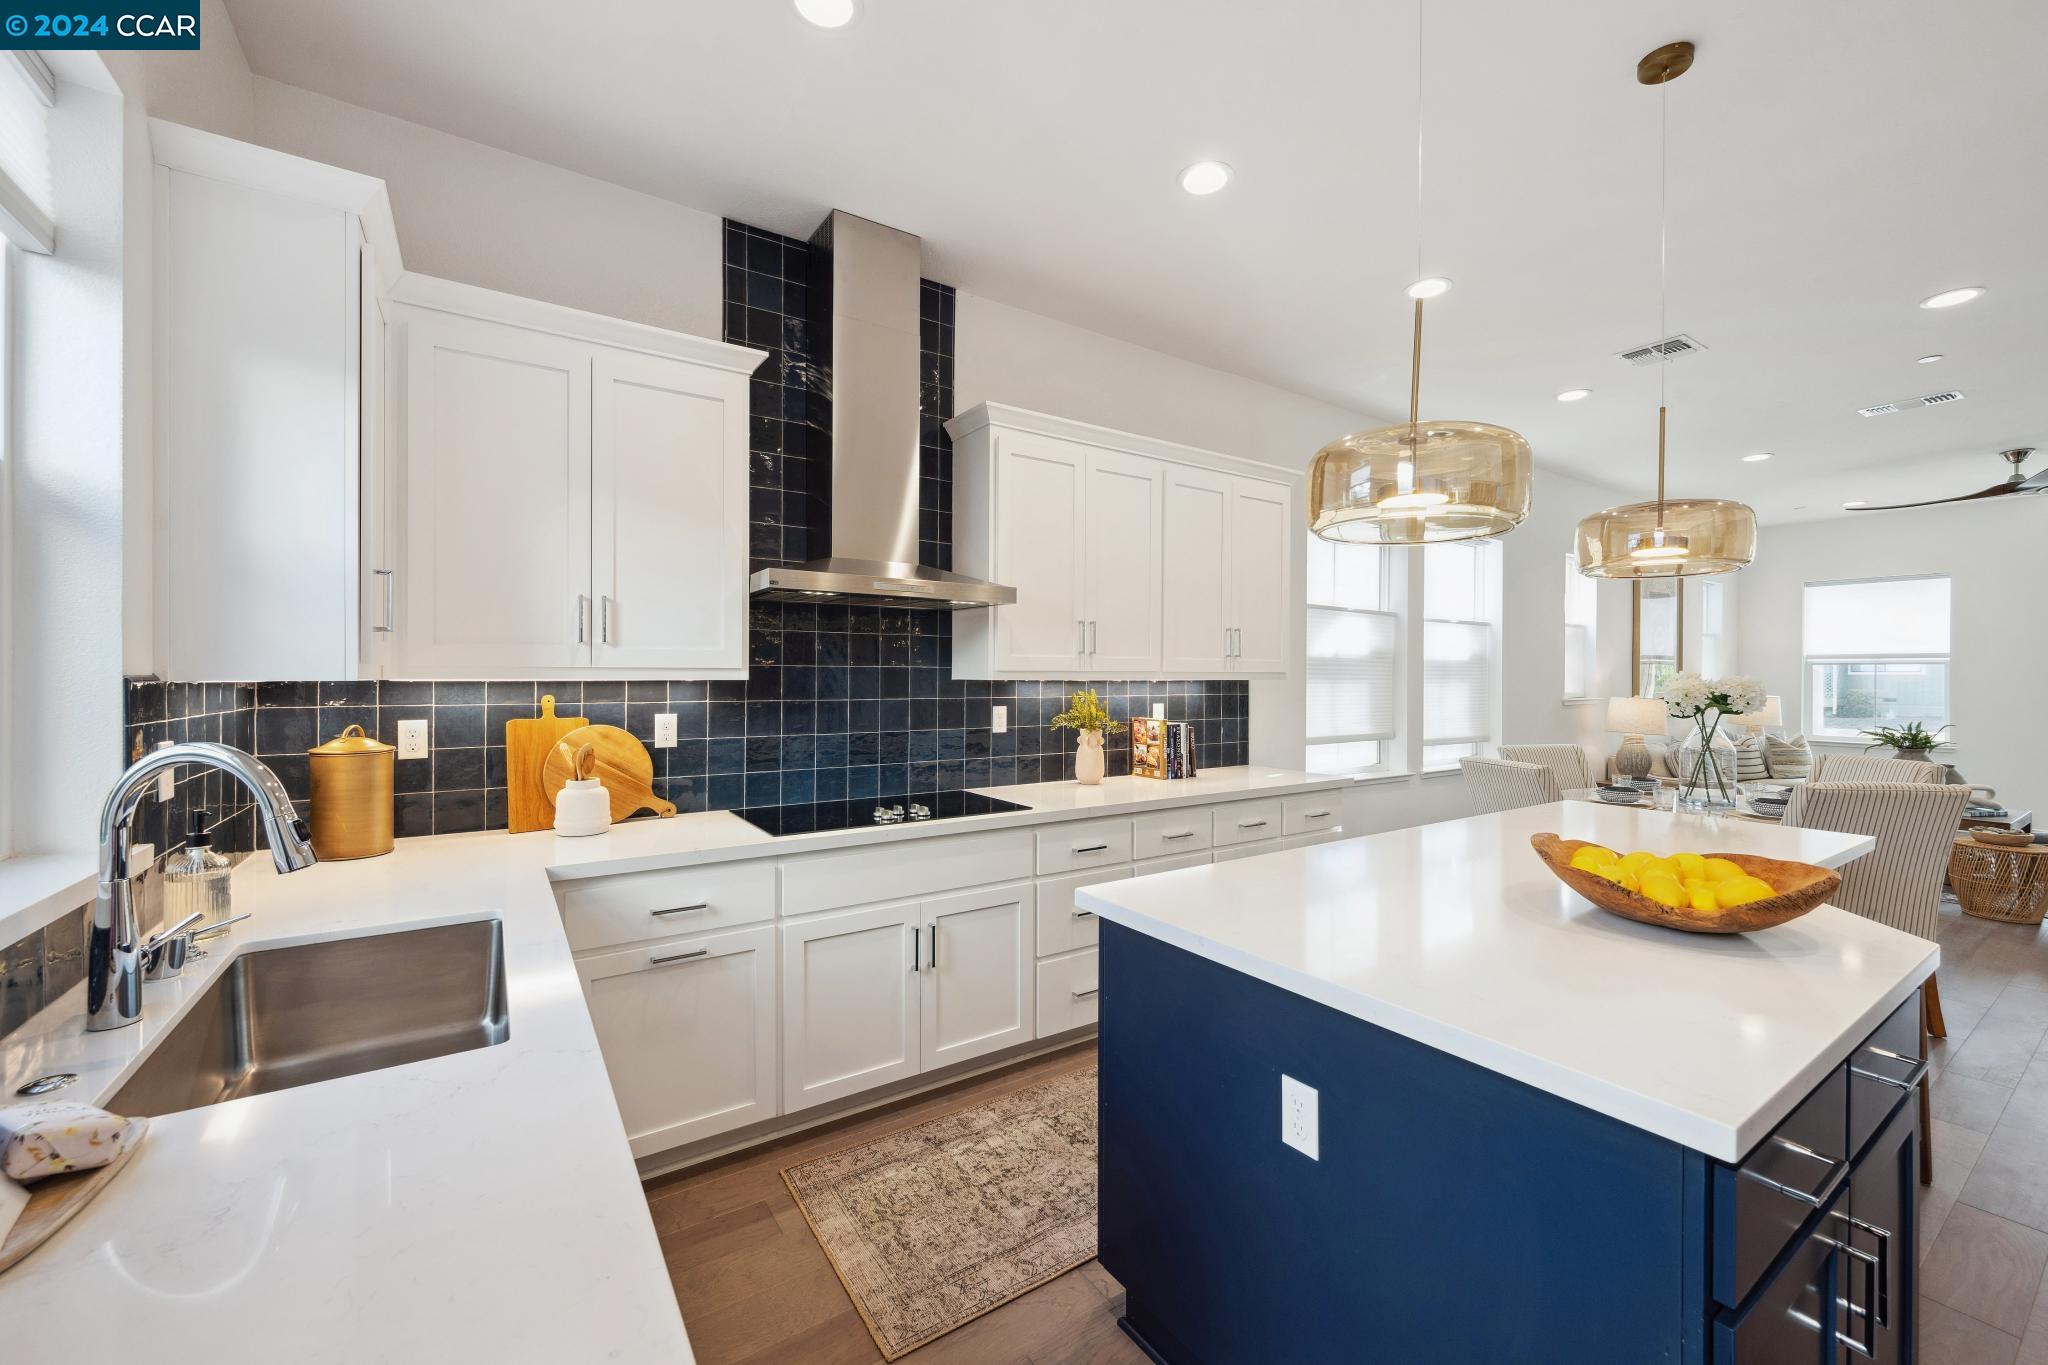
x=623, y=765
x=56, y=1200
x=527, y=743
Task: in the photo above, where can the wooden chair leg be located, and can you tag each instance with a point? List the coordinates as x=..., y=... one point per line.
x=1930, y=1009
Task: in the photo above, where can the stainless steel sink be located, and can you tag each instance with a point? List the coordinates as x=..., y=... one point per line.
x=284, y=1017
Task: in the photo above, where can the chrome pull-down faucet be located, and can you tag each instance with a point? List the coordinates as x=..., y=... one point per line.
x=114, y=954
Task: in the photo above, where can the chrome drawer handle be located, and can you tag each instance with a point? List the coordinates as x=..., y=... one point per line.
x=1916, y=1069
x=678, y=957
x=1093, y=848
x=1251, y=824
x=1084, y=914
x=1317, y=815
x=1837, y=1171
x=1083, y=995
x=1176, y=838
x=1867, y=1310
x=1883, y=1259
x=390, y=577
x=680, y=909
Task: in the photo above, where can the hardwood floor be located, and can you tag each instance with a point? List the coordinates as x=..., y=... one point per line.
x=1984, y=1220
x=755, y=1286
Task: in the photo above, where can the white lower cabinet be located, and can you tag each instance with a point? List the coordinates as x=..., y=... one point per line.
x=977, y=985
x=850, y=998
x=1067, y=989
x=687, y=1027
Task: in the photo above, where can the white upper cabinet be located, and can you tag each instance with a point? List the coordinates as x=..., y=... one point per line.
x=267, y=269
x=570, y=492
x=1132, y=558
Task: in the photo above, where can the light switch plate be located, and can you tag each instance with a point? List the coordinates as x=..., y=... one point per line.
x=665, y=730
x=1159, y=710
x=1299, y=1124
x=998, y=719
x=412, y=738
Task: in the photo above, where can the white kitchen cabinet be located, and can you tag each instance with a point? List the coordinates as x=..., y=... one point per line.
x=851, y=997
x=977, y=973
x=267, y=272
x=1068, y=987
x=687, y=1027
x=570, y=492
x=1261, y=574
x=1131, y=557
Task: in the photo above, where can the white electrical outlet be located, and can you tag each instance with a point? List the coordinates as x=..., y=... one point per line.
x=998, y=719
x=412, y=738
x=1159, y=710
x=1298, y=1122
x=665, y=730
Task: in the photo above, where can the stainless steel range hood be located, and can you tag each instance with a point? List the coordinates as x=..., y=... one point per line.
x=864, y=318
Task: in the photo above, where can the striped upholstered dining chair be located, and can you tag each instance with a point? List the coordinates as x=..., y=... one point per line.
x=1500, y=784
x=1899, y=882
x=1567, y=762
x=1863, y=768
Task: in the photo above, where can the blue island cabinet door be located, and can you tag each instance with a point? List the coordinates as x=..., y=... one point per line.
x=1791, y=1319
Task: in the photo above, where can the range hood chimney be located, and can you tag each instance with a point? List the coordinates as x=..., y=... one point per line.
x=864, y=323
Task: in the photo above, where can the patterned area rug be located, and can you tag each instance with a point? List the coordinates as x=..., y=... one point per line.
x=931, y=1227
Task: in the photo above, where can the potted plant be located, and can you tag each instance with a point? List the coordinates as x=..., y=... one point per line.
x=1086, y=714
x=1707, y=778
x=1911, y=740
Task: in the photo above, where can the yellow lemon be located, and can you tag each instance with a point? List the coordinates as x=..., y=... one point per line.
x=1619, y=875
x=1665, y=890
x=1689, y=865
x=1592, y=858
x=1636, y=861
x=1719, y=869
x=1702, y=895
x=1741, y=890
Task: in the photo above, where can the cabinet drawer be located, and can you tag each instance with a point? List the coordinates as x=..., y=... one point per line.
x=1761, y=1203
x=912, y=867
x=1244, y=822
x=1066, y=992
x=1171, y=832
x=1312, y=814
x=600, y=912
x=1062, y=925
x=1096, y=843
x=1786, y=1321
x=1884, y=1072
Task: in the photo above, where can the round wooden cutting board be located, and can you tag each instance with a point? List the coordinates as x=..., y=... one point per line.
x=623, y=765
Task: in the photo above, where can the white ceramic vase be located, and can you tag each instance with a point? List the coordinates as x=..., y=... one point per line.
x=1088, y=759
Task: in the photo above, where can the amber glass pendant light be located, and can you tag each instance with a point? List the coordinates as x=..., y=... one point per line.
x=1419, y=482
x=1670, y=537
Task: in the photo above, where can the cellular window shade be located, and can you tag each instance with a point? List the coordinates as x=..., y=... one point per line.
x=1351, y=674
x=1884, y=618
x=1457, y=673
x=26, y=93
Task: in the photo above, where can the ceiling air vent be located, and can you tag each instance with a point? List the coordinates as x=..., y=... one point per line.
x=1657, y=352
x=1924, y=401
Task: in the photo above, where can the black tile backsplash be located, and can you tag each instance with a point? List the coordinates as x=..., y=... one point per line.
x=841, y=703
x=216, y=713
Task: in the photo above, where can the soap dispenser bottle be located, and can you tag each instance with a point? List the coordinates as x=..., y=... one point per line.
x=196, y=880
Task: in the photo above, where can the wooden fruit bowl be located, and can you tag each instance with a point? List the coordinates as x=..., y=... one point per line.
x=1802, y=887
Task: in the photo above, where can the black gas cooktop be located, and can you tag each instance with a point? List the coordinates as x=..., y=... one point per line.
x=914, y=809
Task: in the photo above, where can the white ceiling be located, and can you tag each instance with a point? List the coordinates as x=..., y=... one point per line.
x=1832, y=162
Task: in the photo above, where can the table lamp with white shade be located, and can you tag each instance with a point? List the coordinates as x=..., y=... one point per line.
x=1772, y=717
x=1632, y=718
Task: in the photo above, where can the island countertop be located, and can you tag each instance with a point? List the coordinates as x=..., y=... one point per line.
x=1456, y=935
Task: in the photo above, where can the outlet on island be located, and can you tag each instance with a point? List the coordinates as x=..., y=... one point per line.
x=1299, y=1126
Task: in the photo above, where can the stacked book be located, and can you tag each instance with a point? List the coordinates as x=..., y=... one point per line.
x=1162, y=748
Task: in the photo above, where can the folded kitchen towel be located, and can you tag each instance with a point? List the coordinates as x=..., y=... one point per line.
x=50, y=1137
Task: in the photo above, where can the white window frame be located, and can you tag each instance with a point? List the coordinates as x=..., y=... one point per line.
x=1810, y=664
x=1587, y=592
x=1390, y=744
x=1486, y=612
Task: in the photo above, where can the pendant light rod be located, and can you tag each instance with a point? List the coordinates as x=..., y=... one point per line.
x=1415, y=377
x=1661, y=410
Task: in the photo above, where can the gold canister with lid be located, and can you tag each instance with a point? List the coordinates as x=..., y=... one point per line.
x=351, y=791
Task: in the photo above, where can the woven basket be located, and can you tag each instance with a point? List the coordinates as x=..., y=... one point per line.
x=2009, y=885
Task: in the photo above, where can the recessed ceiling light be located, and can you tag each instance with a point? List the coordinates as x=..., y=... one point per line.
x=1949, y=298
x=1757, y=458
x=829, y=13
x=1429, y=288
x=1856, y=502
x=1928, y=359
x=1574, y=395
x=1205, y=177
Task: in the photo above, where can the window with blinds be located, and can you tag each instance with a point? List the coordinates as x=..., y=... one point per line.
x=1877, y=654
x=27, y=92
x=1581, y=632
x=1354, y=650
x=1460, y=667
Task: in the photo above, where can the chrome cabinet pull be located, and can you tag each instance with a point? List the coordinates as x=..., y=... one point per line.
x=604, y=620
x=390, y=577
x=933, y=963
x=1916, y=1069
x=1176, y=838
x=582, y=611
x=1083, y=995
x=1830, y=1180
x=916, y=947
x=1884, y=1257
x=1867, y=1310
x=1080, y=637
x=1091, y=637
x=1084, y=914
x=1251, y=824
x=678, y=957
x=1317, y=815
x=1226, y=642
x=680, y=909
x=1091, y=848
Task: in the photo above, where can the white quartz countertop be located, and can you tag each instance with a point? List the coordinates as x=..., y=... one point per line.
x=482, y=1205
x=1457, y=936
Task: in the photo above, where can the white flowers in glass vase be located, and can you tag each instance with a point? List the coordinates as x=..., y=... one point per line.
x=1704, y=701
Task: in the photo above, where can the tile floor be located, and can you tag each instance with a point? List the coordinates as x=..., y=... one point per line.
x=1984, y=1220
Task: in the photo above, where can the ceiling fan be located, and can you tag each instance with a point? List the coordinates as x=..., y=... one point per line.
x=2015, y=482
